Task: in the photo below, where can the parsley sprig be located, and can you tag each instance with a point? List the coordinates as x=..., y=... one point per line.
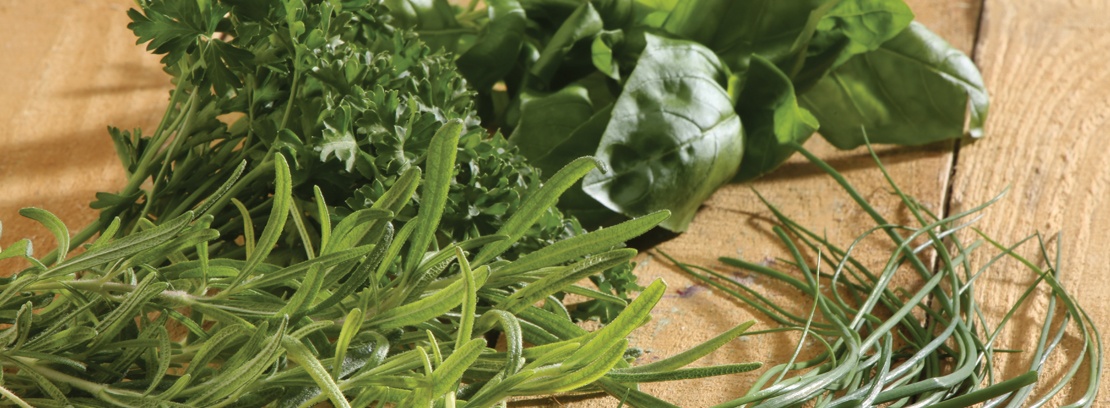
x=317, y=217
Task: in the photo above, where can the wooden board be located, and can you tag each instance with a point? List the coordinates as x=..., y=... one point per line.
x=70, y=70
x=73, y=69
x=1045, y=64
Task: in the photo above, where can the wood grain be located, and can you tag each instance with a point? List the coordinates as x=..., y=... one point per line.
x=71, y=69
x=1045, y=63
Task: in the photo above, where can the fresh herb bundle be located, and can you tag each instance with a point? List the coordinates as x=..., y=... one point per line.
x=341, y=326
x=680, y=97
x=317, y=217
x=352, y=102
x=886, y=346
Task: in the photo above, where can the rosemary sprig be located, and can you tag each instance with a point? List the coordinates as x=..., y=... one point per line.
x=344, y=326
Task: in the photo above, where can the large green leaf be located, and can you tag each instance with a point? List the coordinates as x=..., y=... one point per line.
x=842, y=29
x=583, y=24
x=737, y=29
x=773, y=121
x=866, y=24
x=433, y=19
x=490, y=58
x=673, y=137
x=915, y=89
x=558, y=127
x=422, y=14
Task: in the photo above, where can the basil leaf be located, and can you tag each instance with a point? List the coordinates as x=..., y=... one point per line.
x=915, y=89
x=601, y=52
x=737, y=29
x=773, y=121
x=584, y=23
x=866, y=24
x=485, y=63
x=424, y=14
x=558, y=127
x=561, y=126
x=433, y=19
x=673, y=137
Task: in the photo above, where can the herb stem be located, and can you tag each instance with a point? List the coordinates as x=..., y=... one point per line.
x=134, y=182
x=6, y=393
x=87, y=386
x=292, y=97
x=265, y=167
x=186, y=122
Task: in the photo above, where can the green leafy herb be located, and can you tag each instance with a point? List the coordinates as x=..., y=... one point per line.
x=673, y=136
x=317, y=218
x=894, y=93
x=785, y=69
x=261, y=333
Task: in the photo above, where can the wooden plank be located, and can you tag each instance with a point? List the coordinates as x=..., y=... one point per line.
x=71, y=69
x=1045, y=62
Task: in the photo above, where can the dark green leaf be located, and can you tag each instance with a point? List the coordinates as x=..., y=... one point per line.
x=584, y=23
x=866, y=24
x=559, y=127
x=491, y=57
x=673, y=137
x=915, y=89
x=735, y=30
x=773, y=121
x=422, y=14
x=603, y=55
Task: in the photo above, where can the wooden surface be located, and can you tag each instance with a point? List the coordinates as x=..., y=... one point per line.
x=71, y=69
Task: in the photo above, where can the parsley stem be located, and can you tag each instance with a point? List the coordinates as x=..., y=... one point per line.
x=292, y=97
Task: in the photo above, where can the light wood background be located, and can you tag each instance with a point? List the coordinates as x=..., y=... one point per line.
x=70, y=68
